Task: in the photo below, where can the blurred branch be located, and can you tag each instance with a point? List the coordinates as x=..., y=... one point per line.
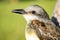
x=57, y=7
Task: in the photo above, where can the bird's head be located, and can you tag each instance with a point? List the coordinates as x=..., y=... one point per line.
x=33, y=12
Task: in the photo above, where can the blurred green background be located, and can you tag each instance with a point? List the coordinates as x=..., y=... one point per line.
x=12, y=26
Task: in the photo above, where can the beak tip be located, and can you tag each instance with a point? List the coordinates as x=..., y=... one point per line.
x=14, y=11
x=19, y=11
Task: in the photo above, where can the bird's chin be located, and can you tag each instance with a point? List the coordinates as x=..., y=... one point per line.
x=30, y=17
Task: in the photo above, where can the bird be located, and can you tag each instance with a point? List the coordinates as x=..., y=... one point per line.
x=39, y=26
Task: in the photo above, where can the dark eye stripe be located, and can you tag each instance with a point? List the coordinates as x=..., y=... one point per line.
x=33, y=12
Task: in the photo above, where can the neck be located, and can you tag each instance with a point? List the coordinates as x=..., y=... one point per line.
x=40, y=19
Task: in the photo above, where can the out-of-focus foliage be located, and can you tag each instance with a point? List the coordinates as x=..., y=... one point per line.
x=27, y=0
x=1, y=0
x=24, y=0
x=4, y=0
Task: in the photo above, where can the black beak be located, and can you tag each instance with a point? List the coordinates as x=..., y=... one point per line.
x=19, y=11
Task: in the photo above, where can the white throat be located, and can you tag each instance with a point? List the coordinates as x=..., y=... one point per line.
x=29, y=18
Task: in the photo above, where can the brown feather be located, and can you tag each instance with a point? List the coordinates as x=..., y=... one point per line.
x=49, y=32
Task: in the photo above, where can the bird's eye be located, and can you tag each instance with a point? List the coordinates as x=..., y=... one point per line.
x=33, y=12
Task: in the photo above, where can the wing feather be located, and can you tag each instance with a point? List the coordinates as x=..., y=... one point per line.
x=46, y=31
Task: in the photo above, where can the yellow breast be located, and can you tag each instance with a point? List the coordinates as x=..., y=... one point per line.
x=31, y=35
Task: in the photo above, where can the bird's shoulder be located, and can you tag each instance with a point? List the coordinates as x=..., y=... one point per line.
x=47, y=29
